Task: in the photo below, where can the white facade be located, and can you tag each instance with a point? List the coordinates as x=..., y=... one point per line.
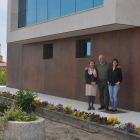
x=113, y=15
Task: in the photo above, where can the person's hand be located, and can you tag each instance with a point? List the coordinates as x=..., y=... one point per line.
x=108, y=82
x=86, y=68
x=93, y=83
x=117, y=83
x=119, y=66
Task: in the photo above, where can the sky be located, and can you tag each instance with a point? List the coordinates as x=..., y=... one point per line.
x=3, y=28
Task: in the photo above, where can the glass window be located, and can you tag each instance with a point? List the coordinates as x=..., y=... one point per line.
x=53, y=9
x=41, y=10
x=22, y=19
x=98, y=3
x=48, y=51
x=31, y=12
x=22, y=5
x=67, y=7
x=88, y=48
x=83, y=5
x=83, y=48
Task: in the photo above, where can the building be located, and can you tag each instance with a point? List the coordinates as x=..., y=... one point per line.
x=2, y=63
x=51, y=41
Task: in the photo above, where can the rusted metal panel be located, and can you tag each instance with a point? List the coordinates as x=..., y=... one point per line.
x=63, y=75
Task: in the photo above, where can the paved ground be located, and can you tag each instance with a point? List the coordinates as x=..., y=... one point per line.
x=129, y=116
x=57, y=131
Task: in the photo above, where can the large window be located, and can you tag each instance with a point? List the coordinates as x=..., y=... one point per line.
x=98, y=3
x=41, y=10
x=83, y=5
x=67, y=7
x=83, y=48
x=35, y=11
x=31, y=12
x=53, y=9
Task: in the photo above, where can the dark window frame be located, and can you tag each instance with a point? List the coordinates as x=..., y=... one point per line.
x=81, y=50
x=49, y=54
x=22, y=12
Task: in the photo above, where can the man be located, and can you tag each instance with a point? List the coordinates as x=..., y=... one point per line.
x=102, y=69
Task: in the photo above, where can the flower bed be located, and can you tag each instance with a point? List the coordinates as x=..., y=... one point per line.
x=48, y=110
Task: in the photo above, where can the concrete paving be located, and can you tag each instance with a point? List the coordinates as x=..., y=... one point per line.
x=129, y=116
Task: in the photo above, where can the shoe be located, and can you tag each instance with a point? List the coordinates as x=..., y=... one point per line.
x=107, y=109
x=92, y=107
x=111, y=109
x=101, y=108
x=89, y=108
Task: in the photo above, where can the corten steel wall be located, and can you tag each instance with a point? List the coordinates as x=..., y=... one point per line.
x=64, y=74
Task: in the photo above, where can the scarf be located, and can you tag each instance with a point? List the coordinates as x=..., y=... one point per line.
x=90, y=72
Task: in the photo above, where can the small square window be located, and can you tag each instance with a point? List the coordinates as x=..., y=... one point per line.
x=48, y=51
x=83, y=48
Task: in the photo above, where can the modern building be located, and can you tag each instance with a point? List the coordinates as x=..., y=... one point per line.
x=51, y=41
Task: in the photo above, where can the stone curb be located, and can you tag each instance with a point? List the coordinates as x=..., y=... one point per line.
x=82, y=124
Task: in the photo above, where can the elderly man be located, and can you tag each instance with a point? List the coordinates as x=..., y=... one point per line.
x=102, y=69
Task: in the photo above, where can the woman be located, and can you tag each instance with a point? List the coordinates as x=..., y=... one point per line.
x=91, y=84
x=114, y=80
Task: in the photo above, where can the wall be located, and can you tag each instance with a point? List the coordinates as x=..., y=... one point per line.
x=64, y=74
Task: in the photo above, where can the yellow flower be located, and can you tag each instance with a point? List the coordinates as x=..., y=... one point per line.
x=51, y=107
x=84, y=116
x=36, y=102
x=139, y=130
x=9, y=96
x=69, y=107
x=1, y=93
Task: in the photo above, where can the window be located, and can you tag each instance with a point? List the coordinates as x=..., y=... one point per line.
x=22, y=19
x=22, y=6
x=53, y=9
x=83, y=48
x=98, y=3
x=22, y=13
x=41, y=10
x=67, y=7
x=31, y=12
x=83, y=5
x=36, y=11
x=48, y=51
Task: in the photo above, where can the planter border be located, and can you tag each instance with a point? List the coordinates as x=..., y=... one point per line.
x=77, y=122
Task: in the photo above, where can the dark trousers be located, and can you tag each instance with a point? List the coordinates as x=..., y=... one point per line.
x=103, y=89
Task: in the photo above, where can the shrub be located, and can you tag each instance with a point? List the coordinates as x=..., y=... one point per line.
x=24, y=99
x=3, y=77
x=3, y=107
x=16, y=114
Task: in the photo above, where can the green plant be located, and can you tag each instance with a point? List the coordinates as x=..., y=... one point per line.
x=24, y=99
x=3, y=107
x=3, y=77
x=15, y=115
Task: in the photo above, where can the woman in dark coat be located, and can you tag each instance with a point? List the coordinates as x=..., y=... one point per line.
x=91, y=84
x=114, y=80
